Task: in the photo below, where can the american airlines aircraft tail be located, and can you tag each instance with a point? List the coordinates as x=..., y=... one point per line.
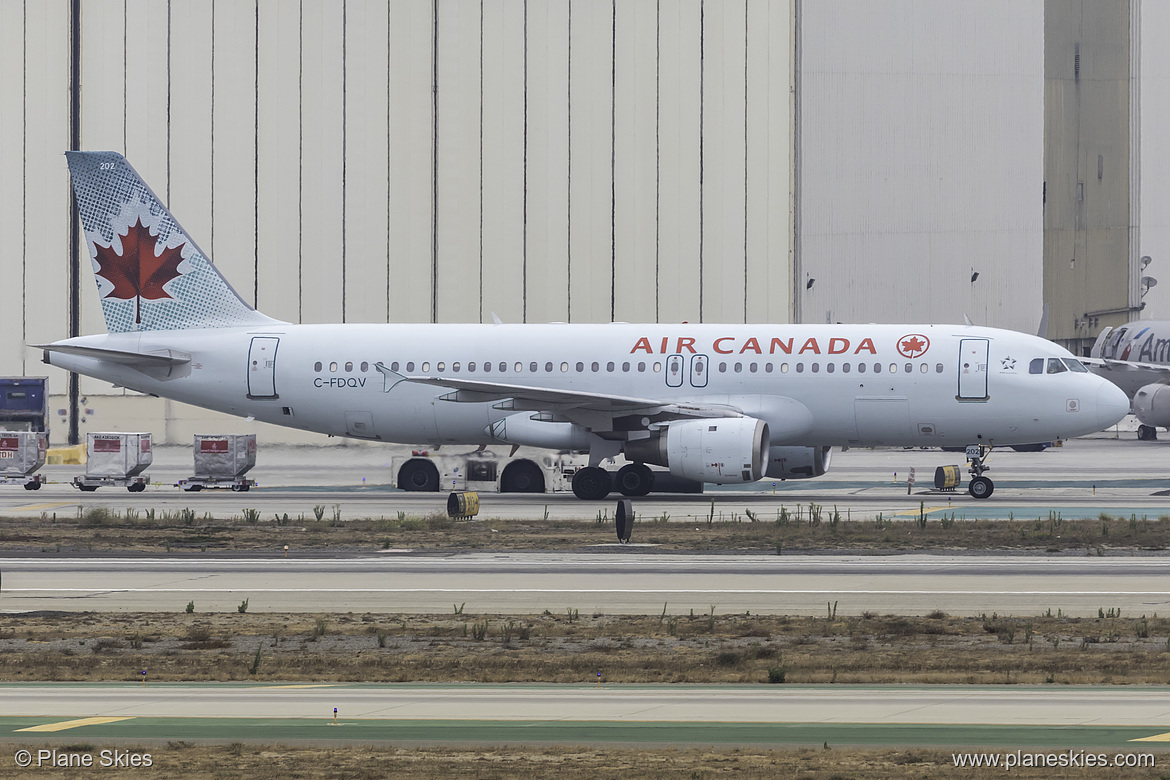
x=712, y=403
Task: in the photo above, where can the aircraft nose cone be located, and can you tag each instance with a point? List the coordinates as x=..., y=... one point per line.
x=1112, y=404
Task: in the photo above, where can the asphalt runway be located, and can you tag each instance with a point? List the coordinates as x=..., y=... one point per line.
x=1076, y=718
x=620, y=581
x=1084, y=478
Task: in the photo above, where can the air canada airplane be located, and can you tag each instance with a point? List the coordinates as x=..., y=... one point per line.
x=710, y=403
x=1136, y=357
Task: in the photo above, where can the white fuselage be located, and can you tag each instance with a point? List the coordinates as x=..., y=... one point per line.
x=814, y=385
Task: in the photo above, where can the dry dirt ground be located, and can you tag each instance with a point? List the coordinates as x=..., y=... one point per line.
x=804, y=528
x=572, y=648
x=261, y=762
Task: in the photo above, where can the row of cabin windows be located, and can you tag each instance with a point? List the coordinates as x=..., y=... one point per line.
x=1056, y=366
x=1035, y=367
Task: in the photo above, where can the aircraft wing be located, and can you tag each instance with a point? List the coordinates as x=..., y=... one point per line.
x=1157, y=369
x=568, y=403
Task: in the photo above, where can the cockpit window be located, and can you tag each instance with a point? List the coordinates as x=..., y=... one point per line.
x=1075, y=365
x=1036, y=366
x=1055, y=366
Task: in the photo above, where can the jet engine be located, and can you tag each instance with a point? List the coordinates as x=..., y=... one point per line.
x=798, y=462
x=1151, y=404
x=722, y=450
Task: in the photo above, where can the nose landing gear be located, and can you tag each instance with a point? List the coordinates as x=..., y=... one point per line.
x=980, y=486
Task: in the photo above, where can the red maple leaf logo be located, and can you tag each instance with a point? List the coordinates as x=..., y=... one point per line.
x=137, y=272
x=913, y=345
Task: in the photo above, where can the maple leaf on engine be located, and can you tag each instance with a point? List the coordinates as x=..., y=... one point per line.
x=137, y=272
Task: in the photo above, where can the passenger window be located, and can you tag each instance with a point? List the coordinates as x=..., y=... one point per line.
x=722, y=368
x=1036, y=366
x=471, y=367
x=580, y=367
x=783, y=368
x=738, y=367
x=909, y=368
x=752, y=368
x=394, y=366
x=441, y=366
x=425, y=367
x=504, y=367
x=548, y=368
x=365, y=366
x=877, y=368
x=800, y=368
x=1075, y=365
x=410, y=367
x=317, y=366
x=767, y=368
x=1055, y=366
x=938, y=368
x=609, y=366
x=829, y=367
x=893, y=368
x=845, y=368
x=625, y=366
x=532, y=367
x=596, y=367
x=924, y=368
x=455, y=367
x=657, y=368
x=641, y=367
x=564, y=367
x=816, y=368
x=519, y=368
x=333, y=367
x=349, y=367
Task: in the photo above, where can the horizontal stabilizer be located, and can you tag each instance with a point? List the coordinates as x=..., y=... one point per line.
x=157, y=359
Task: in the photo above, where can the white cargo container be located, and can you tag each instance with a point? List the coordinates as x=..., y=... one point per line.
x=117, y=454
x=21, y=454
x=224, y=455
x=221, y=461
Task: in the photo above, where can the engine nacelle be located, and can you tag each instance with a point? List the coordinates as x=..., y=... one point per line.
x=1151, y=404
x=723, y=450
x=524, y=430
x=798, y=462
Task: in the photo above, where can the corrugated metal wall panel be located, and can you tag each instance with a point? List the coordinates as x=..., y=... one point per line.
x=278, y=161
x=458, y=156
x=46, y=187
x=232, y=242
x=1155, y=157
x=13, y=223
x=679, y=162
x=411, y=149
x=547, y=222
x=503, y=166
x=635, y=161
x=367, y=212
x=922, y=150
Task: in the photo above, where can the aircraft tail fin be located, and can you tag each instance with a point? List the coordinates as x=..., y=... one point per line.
x=150, y=274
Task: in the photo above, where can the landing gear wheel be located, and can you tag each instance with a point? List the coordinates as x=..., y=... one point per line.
x=522, y=476
x=592, y=483
x=87, y=488
x=634, y=479
x=981, y=487
x=418, y=475
x=1147, y=433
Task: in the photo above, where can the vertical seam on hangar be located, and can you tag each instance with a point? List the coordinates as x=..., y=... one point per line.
x=434, y=160
x=211, y=141
x=746, y=210
x=256, y=159
x=481, y=161
x=612, y=160
x=169, y=22
x=657, y=149
x=569, y=168
x=344, y=127
x=24, y=184
x=524, y=222
x=389, y=215
x=300, y=161
x=702, y=75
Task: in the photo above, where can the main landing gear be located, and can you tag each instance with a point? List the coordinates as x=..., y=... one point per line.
x=1147, y=433
x=592, y=483
x=980, y=486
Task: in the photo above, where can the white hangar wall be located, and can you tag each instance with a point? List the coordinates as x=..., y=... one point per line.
x=921, y=161
x=411, y=161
